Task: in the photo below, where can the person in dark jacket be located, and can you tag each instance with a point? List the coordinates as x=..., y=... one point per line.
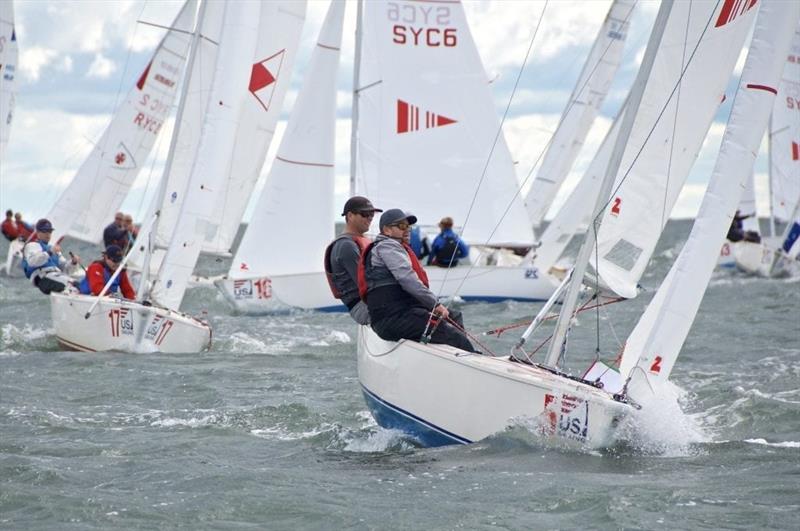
x=447, y=247
x=343, y=254
x=396, y=289
x=115, y=232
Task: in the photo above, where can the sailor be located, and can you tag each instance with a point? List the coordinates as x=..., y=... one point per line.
x=396, y=290
x=115, y=233
x=24, y=229
x=343, y=254
x=8, y=227
x=44, y=264
x=447, y=247
x=736, y=231
x=100, y=271
x=419, y=243
x=131, y=232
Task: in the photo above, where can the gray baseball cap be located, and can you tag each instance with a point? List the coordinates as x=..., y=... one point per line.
x=395, y=215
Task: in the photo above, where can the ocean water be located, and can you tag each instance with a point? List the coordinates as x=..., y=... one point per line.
x=269, y=430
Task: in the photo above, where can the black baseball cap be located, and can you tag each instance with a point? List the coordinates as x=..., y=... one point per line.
x=114, y=253
x=357, y=204
x=395, y=215
x=44, y=225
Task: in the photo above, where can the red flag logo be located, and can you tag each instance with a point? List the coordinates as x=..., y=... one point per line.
x=795, y=151
x=732, y=9
x=264, y=77
x=408, y=118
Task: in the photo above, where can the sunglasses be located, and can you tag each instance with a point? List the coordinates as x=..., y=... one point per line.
x=368, y=214
x=403, y=225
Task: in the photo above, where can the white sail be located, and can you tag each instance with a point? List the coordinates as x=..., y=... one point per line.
x=301, y=179
x=97, y=191
x=694, y=63
x=269, y=81
x=657, y=339
x=784, y=137
x=8, y=71
x=747, y=205
x=427, y=123
x=584, y=105
x=196, y=223
x=195, y=106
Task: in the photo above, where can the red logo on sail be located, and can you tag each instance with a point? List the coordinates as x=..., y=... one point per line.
x=795, y=151
x=123, y=158
x=264, y=77
x=732, y=9
x=143, y=77
x=408, y=118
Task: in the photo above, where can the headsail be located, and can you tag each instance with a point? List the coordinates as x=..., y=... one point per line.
x=99, y=187
x=583, y=106
x=9, y=55
x=301, y=179
x=427, y=123
x=701, y=44
x=656, y=340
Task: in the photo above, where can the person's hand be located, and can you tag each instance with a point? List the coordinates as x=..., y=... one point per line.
x=441, y=311
x=57, y=249
x=75, y=258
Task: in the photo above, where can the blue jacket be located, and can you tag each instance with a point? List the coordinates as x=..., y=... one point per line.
x=438, y=249
x=419, y=244
x=53, y=261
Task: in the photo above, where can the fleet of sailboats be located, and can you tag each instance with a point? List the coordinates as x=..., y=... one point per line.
x=426, y=136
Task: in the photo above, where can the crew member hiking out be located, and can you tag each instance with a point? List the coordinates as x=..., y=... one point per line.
x=343, y=253
x=396, y=290
x=447, y=247
x=100, y=271
x=44, y=264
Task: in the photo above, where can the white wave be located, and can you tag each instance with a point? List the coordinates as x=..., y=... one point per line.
x=194, y=422
x=377, y=441
x=10, y=334
x=750, y=393
x=281, y=433
x=784, y=444
x=333, y=337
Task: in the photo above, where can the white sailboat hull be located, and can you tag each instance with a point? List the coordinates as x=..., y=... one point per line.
x=13, y=267
x=755, y=258
x=441, y=395
x=310, y=291
x=124, y=326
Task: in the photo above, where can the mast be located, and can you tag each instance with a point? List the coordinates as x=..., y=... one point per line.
x=144, y=291
x=581, y=263
x=354, y=115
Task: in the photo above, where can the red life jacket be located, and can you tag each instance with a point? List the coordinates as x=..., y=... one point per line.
x=361, y=241
x=362, y=269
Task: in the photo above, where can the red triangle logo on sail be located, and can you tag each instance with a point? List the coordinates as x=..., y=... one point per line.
x=795, y=151
x=123, y=160
x=264, y=77
x=143, y=77
x=408, y=118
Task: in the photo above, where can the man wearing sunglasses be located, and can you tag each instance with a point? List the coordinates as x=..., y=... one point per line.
x=343, y=254
x=396, y=289
x=100, y=271
x=44, y=264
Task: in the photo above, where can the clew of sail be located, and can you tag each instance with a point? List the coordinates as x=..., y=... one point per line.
x=784, y=136
x=427, y=124
x=99, y=187
x=701, y=43
x=269, y=80
x=304, y=162
x=196, y=223
x=9, y=55
x=656, y=341
x=584, y=105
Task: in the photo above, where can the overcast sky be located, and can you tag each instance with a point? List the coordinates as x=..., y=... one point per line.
x=78, y=59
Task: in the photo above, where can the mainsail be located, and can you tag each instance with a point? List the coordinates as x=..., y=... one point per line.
x=657, y=339
x=583, y=106
x=304, y=162
x=8, y=70
x=701, y=44
x=427, y=124
x=104, y=179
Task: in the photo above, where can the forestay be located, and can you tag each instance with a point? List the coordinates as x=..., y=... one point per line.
x=196, y=223
x=584, y=104
x=8, y=71
x=657, y=339
x=282, y=25
x=102, y=182
x=427, y=123
x=784, y=135
x=702, y=40
x=293, y=219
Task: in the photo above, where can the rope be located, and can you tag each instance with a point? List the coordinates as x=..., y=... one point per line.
x=500, y=330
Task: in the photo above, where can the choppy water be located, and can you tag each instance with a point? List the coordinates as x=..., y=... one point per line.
x=269, y=429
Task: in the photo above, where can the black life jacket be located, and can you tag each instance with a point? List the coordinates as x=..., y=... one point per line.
x=447, y=255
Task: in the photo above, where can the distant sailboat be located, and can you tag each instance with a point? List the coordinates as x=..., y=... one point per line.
x=9, y=55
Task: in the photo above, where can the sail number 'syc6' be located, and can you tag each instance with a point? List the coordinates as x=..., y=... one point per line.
x=421, y=25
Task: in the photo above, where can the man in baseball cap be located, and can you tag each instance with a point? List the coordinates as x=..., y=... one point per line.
x=343, y=254
x=44, y=264
x=100, y=272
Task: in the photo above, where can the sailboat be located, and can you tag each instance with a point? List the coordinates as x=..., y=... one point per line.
x=9, y=55
x=278, y=267
x=425, y=389
x=209, y=124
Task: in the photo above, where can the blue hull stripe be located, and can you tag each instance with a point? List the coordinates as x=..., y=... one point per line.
x=392, y=417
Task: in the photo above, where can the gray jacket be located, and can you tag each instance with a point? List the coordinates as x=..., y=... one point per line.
x=390, y=254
